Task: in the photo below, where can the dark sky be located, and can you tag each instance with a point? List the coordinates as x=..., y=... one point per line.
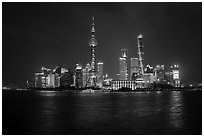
x=51, y=34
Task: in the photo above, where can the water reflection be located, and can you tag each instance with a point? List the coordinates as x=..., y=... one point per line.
x=48, y=93
x=48, y=111
x=176, y=109
x=89, y=111
x=94, y=113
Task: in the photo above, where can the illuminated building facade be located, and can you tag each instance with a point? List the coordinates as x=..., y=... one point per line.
x=50, y=81
x=100, y=76
x=100, y=69
x=45, y=71
x=168, y=76
x=38, y=80
x=57, y=80
x=86, y=75
x=41, y=79
x=57, y=74
x=66, y=79
x=159, y=72
x=59, y=77
x=134, y=68
x=78, y=76
x=123, y=65
x=119, y=84
x=140, y=53
x=176, y=78
x=149, y=77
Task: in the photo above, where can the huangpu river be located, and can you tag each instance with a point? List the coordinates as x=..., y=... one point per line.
x=69, y=113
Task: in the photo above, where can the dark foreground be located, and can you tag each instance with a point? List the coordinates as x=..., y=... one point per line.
x=43, y=112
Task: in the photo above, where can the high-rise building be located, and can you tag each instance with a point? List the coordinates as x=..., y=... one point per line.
x=38, y=80
x=70, y=77
x=43, y=79
x=84, y=76
x=140, y=53
x=78, y=76
x=50, y=81
x=123, y=68
x=46, y=71
x=57, y=76
x=168, y=76
x=123, y=65
x=66, y=78
x=159, y=73
x=57, y=79
x=134, y=67
x=100, y=76
x=176, y=77
x=58, y=70
x=149, y=76
x=100, y=69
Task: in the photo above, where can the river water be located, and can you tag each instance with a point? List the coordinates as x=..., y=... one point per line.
x=68, y=113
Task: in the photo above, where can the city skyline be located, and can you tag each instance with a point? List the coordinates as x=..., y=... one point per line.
x=51, y=34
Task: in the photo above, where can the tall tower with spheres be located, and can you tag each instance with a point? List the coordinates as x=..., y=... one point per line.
x=92, y=43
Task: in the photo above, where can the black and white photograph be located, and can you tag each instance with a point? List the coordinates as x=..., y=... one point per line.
x=101, y=68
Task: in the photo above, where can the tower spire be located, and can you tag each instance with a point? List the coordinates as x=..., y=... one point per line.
x=93, y=28
x=92, y=44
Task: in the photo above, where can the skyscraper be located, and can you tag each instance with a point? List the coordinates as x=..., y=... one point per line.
x=176, y=77
x=66, y=78
x=159, y=72
x=134, y=67
x=100, y=77
x=38, y=80
x=123, y=65
x=100, y=69
x=57, y=80
x=85, y=76
x=57, y=74
x=78, y=76
x=41, y=79
x=140, y=53
x=168, y=76
x=50, y=80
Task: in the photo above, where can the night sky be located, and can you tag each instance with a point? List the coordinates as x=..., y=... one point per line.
x=51, y=34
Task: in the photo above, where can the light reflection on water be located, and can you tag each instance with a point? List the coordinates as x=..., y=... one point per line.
x=48, y=93
x=94, y=108
x=48, y=112
x=176, y=109
x=52, y=112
